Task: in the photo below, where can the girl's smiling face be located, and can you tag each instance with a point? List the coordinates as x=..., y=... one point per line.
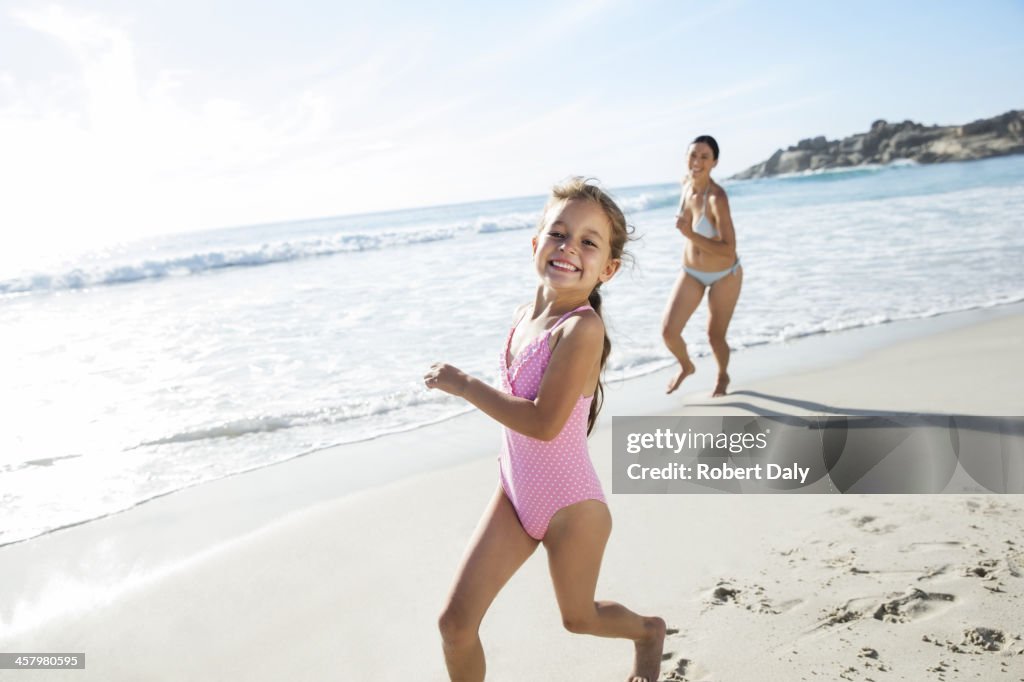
x=573, y=248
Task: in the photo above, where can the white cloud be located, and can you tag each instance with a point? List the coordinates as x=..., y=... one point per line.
x=105, y=56
x=99, y=153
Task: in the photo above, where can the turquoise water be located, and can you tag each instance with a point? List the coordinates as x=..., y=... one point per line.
x=136, y=370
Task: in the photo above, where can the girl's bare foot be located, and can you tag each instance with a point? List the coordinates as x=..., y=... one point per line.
x=647, y=666
x=722, y=386
x=688, y=368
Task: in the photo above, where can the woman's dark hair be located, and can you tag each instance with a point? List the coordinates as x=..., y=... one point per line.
x=709, y=141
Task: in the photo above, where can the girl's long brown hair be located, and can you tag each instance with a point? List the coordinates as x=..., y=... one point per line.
x=579, y=187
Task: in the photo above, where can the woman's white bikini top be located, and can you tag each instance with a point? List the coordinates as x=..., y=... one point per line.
x=703, y=226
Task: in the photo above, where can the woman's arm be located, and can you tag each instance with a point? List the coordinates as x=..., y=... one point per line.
x=572, y=361
x=683, y=219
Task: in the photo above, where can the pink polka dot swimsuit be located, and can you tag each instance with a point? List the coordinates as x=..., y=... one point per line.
x=540, y=477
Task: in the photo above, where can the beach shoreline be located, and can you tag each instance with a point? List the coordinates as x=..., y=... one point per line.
x=315, y=557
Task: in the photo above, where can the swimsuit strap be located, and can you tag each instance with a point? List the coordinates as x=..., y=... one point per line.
x=505, y=364
x=563, y=318
x=704, y=197
x=512, y=331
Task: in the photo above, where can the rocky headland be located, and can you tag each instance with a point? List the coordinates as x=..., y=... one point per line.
x=887, y=142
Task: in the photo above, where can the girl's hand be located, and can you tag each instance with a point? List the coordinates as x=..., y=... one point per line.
x=446, y=378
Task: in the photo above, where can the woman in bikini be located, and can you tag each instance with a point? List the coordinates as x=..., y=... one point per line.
x=709, y=263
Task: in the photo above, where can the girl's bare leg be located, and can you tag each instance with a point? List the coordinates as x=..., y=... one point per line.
x=497, y=550
x=686, y=296
x=721, y=304
x=575, y=541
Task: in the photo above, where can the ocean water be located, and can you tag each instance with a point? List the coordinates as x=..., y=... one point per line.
x=139, y=369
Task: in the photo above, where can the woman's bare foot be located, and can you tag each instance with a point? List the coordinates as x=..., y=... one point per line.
x=647, y=666
x=722, y=386
x=688, y=368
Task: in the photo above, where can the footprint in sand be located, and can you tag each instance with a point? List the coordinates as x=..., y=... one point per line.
x=687, y=671
x=986, y=569
x=678, y=674
x=850, y=611
x=666, y=656
x=978, y=640
x=913, y=605
x=985, y=639
x=752, y=598
x=724, y=593
x=988, y=507
x=870, y=524
x=991, y=572
x=872, y=659
x=684, y=670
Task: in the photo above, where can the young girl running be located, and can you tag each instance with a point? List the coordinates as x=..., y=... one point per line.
x=551, y=392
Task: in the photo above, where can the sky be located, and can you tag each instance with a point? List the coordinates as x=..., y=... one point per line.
x=122, y=119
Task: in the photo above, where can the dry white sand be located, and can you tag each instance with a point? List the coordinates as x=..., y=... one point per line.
x=769, y=587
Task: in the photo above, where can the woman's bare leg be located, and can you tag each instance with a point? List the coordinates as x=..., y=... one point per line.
x=686, y=296
x=497, y=550
x=721, y=304
x=575, y=540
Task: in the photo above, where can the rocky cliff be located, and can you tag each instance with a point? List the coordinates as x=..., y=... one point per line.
x=885, y=142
